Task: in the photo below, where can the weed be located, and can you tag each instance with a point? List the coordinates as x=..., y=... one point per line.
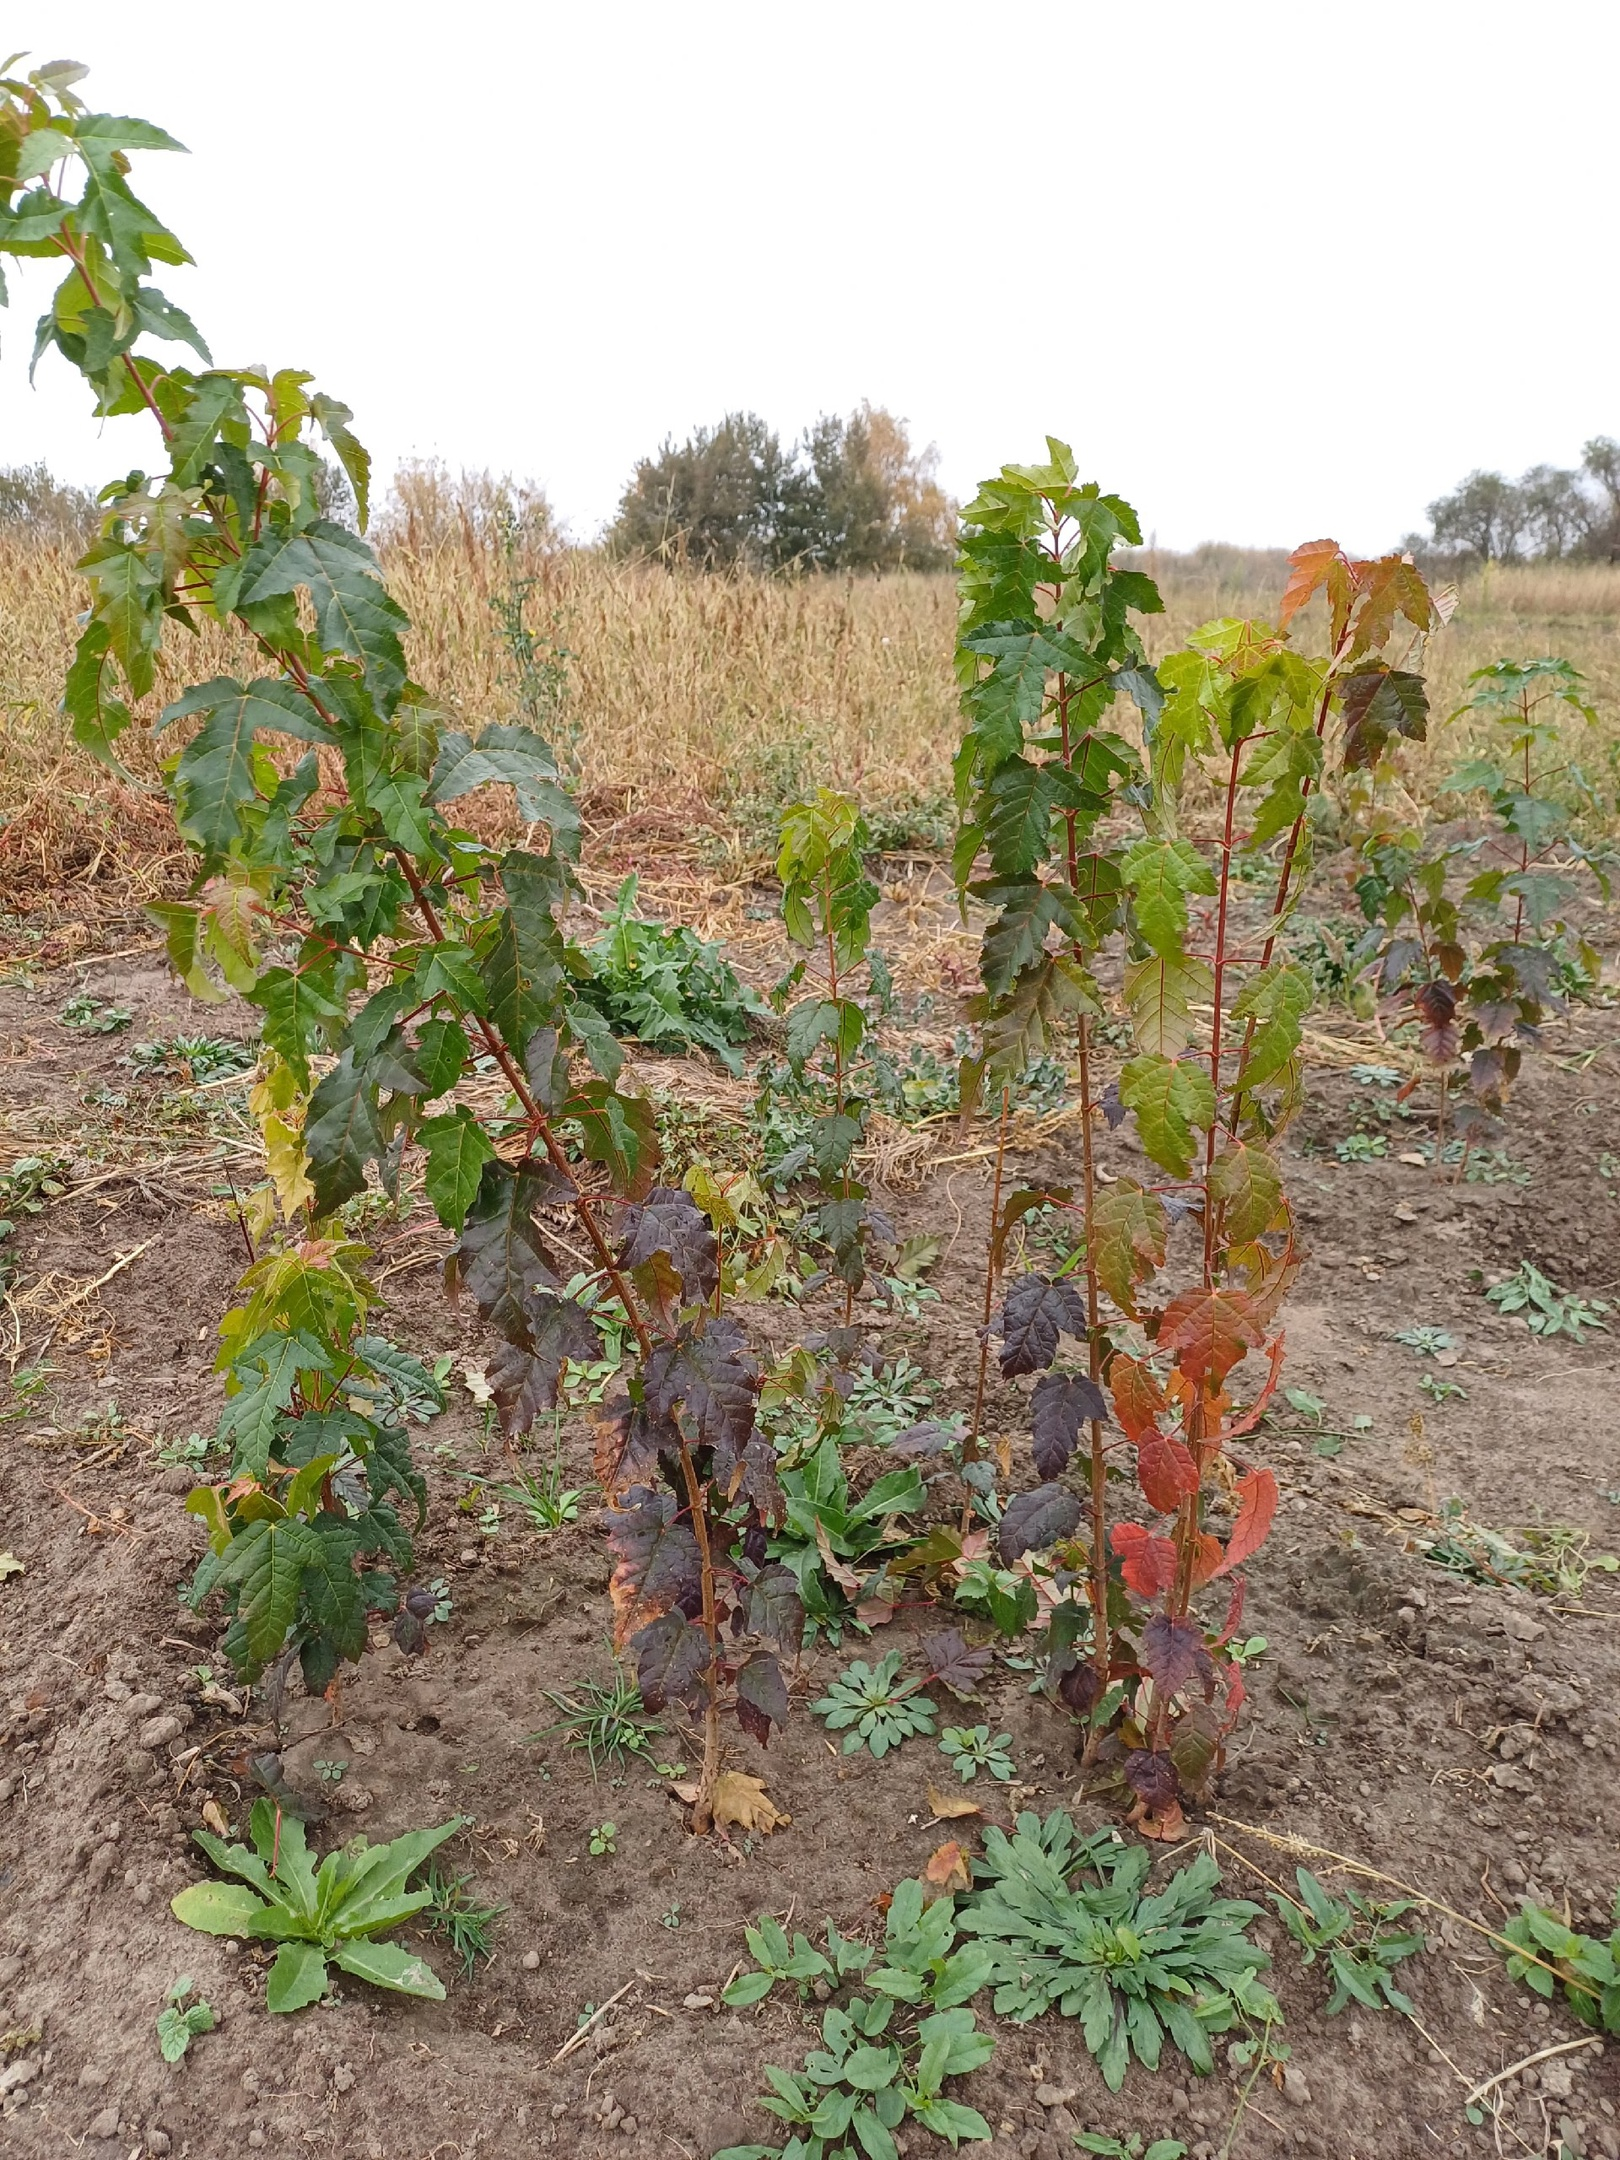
x=971, y=1749
x=605, y=1719
x=1427, y=1341
x=330, y=1772
x=192, y=1059
x=1586, y=1969
x=671, y=1918
x=879, y=2060
x=1554, y=1560
x=93, y=1016
x=179, y=2023
x=881, y=1714
x=1248, y=1649
x=1441, y=1391
x=467, y=1926
x=1068, y=1926
x=1378, y=1076
x=27, y=1188
x=24, y=1386
x=826, y=1537
x=1328, y=949
x=1361, y=1147
x=602, y=1838
x=1547, y=1310
x=1005, y=1596
x=666, y=987
x=1356, y=1937
x=334, y=1912
x=1130, y=2147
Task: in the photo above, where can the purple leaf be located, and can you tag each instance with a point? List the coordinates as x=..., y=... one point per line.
x=1059, y=1405
x=1035, y=1521
x=1036, y=1312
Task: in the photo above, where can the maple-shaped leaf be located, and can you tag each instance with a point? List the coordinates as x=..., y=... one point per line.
x=1148, y=1563
x=1257, y=1499
x=706, y=1381
x=1139, y=1401
x=1159, y=995
x=628, y=1442
x=500, y=1255
x=1172, y=1099
x=1037, y=1310
x=771, y=1606
x=1173, y=1652
x=526, y=1377
x=1035, y=1521
x=1246, y=1182
x=1195, y=1745
x=1379, y=703
x=742, y=1803
x=922, y=1440
x=672, y=1658
x=1309, y=567
x=1059, y=1405
x=955, y=1663
x=1160, y=875
x=946, y=1870
x=1273, y=1003
x=1151, y=1775
x=750, y=1475
x=656, y=1567
x=1165, y=1471
x=1436, y=1004
x=1128, y=1232
x=1210, y=1331
x=669, y=1221
x=762, y=1697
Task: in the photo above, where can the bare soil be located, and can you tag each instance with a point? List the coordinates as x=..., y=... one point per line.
x=1464, y=1739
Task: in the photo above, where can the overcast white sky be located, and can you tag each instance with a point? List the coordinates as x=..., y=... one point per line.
x=1277, y=270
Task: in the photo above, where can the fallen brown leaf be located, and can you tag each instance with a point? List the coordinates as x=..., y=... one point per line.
x=214, y=1816
x=947, y=1869
x=949, y=1805
x=745, y=1802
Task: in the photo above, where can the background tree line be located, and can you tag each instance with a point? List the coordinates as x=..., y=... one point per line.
x=1549, y=514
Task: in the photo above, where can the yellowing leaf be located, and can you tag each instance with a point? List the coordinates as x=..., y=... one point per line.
x=743, y=1801
x=10, y=1565
x=947, y=1869
x=949, y=1806
x=214, y=1816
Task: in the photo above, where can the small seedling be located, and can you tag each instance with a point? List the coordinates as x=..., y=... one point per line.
x=1129, y=2147
x=1357, y=1937
x=1426, y=1341
x=179, y=2024
x=1586, y=1968
x=1440, y=1391
x=1005, y=1596
x=330, y=1771
x=1307, y=1404
x=1379, y=1076
x=1361, y=1147
x=881, y=1714
x=94, y=1017
x=467, y=1927
x=605, y=1718
x=672, y=1918
x=971, y=1750
x=1545, y=1309
x=1248, y=1649
x=603, y=1837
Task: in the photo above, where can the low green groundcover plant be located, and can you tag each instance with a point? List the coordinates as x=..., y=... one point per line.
x=1069, y=1927
x=668, y=987
x=872, y=1709
x=1356, y=1939
x=1551, y=1955
x=179, y=2022
x=331, y=1912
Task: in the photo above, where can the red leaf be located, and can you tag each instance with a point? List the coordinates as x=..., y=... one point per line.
x=1148, y=1562
x=1138, y=1397
x=1257, y=1508
x=1210, y=1331
x=1207, y=1559
x=1165, y=1471
x=1257, y=1409
x=1308, y=567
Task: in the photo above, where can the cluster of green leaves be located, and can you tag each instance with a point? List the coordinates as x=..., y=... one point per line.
x=467, y=1926
x=331, y=1913
x=1068, y=1927
x=305, y=1539
x=972, y=1748
x=606, y=1720
x=179, y=2022
x=835, y=1546
x=1552, y=1957
x=1547, y=1310
x=665, y=986
x=1482, y=964
x=1356, y=1938
x=27, y=1187
x=886, y=2055
x=1085, y=842
x=874, y=1709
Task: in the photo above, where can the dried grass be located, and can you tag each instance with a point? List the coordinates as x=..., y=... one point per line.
x=691, y=698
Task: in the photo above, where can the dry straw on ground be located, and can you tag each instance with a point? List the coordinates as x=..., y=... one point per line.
x=693, y=703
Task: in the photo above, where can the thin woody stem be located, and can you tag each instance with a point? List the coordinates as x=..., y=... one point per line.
x=970, y=1450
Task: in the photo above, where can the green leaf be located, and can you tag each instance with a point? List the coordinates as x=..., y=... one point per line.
x=385, y=1965
x=1275, y=1001
x=747, y=1988
x=215, y=775
x=1170, y=1100
x=1159, y=994
x=332, y=418
x=341, y=1134
x=1160, y=875
x=218, y=1908
x=353, y=611
x=516, y=755
x=98, y=717
x=295, y=1004
x=265, y=1563
x=297, y=1978
x=457, y=1152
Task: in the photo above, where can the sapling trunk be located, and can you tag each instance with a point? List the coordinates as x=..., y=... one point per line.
x=970, y=1447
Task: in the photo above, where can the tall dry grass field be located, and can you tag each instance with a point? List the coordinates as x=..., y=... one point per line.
x=691, y=703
